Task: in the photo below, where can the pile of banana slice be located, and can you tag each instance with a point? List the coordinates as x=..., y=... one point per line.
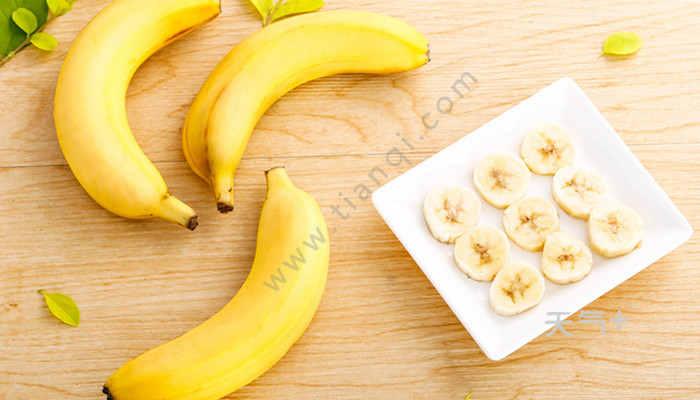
x=482, y=252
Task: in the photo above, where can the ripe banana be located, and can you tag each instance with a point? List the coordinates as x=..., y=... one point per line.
x=529, y=221
x=578, y=190
x=481, y=252
x=565, y=258
x=614, y=230
x=257, y=327
x=501, y=179
x=449, y=211
x=273, y=61
x=517, y=287
x=547, y=149
x=90, y=110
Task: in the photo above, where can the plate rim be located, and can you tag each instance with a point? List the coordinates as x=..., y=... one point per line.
x=682, y=236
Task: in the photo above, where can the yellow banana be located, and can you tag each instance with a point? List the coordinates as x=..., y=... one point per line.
x=90, y=110
x=258, y=326
x=276, y=59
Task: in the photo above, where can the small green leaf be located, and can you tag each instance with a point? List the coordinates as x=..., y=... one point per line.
x=62, y=307
x=622, y=43
x=44, y=41
x=469, y=396
x=263, y=7
x=25, y=19
x=59, y=7
x=293, y=7
x=11, y=36
x=54, y=7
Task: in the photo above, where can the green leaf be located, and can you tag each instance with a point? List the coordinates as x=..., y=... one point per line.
x=469, y=396
x=25, y=19
x=11, y=36
x=62, y=307
x=622, y=43
x=59, y=7
x=263, y=7
x=293, y=7
x=44, y=41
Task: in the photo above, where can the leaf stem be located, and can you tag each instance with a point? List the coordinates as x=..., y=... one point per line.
x=27, y=41
x=271, y=14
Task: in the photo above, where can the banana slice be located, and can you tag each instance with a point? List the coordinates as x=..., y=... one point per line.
x=565, y=258
x=578, y=190
x=613, y=229
x=501, y=179
x=519, y=286
x=547, y=149
x=449, y=211
x=481, y=252
x=529, y=221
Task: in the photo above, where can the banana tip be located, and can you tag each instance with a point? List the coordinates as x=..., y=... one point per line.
x=106, y=391
x=192, y=223
x=224, y=208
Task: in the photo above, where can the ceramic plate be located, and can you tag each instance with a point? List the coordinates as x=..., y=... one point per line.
x=598, y=147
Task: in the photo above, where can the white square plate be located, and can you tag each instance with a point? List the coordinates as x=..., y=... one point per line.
x=598, y=147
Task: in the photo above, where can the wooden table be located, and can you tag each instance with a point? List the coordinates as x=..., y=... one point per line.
x=382, y=331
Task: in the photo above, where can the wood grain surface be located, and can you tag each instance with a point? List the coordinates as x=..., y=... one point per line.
x=382, y=331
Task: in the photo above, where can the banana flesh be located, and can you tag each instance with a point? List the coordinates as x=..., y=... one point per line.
x=501, y=179
x=578, y=190
x=547, y=149
x=481, y=252
x=614, y=230
x=90, y=110
x=257, y=327
x=517, y=287
x=273, y=61
x=565, y=258
x=529, y=221
x=449, y=211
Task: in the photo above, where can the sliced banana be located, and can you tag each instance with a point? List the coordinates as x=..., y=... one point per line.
x=517, y=287
x=565, y=258
x=613, y=229
x=481, y=252
x=547, y=149
x=529, y=221
x=578, y=190
x=501, y=179
x=450, y=210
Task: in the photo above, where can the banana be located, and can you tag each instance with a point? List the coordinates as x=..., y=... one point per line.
x=90, y=110
x=578, y=190
x=256, y=328
x=614, y=230
x=449, y=211
x=547, y=149
x=517, y=287
x=529, y=221
x=275, y=60
x=481, y=252
x=565, y=258
x=501, y=179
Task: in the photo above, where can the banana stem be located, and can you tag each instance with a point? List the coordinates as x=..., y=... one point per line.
x=277, y=178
